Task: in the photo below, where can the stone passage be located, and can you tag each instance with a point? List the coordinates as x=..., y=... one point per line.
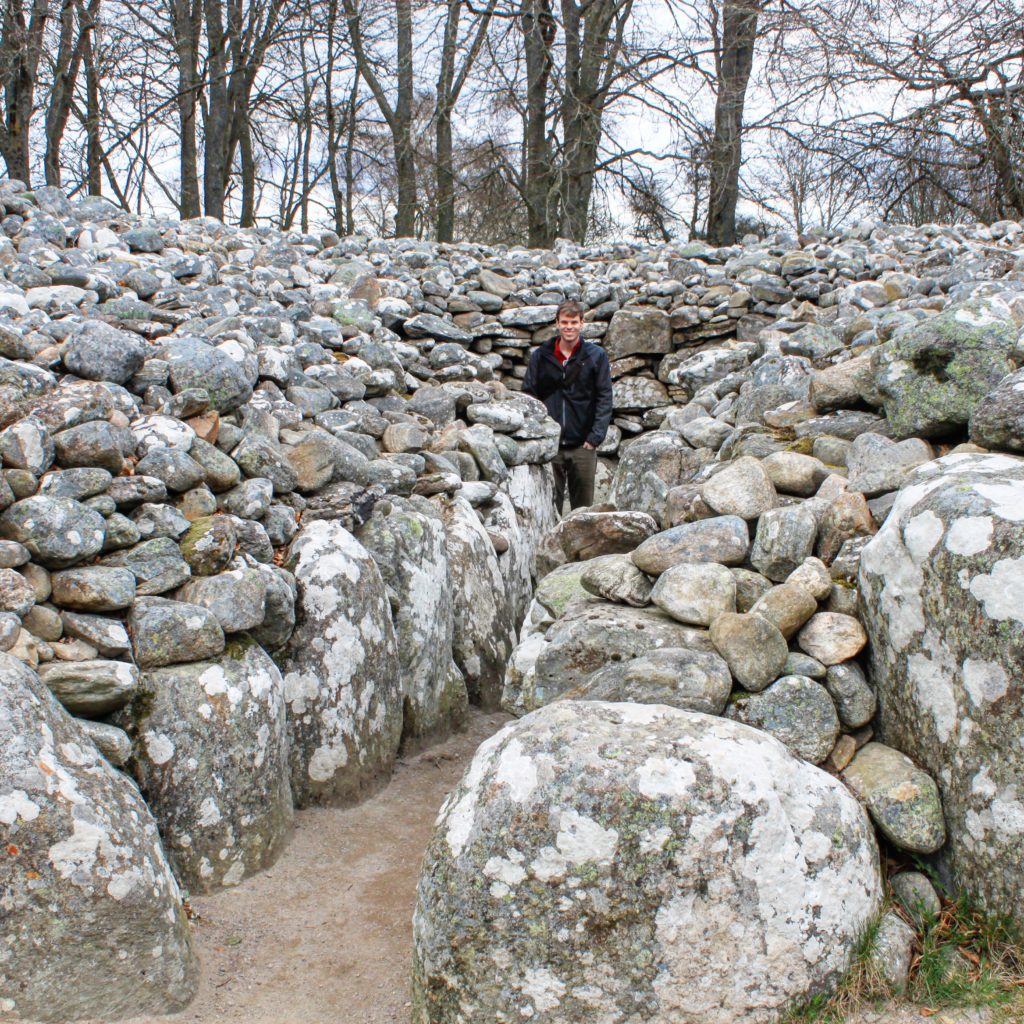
x=273, y=510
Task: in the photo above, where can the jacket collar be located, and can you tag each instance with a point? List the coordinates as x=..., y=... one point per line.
x=548, y=348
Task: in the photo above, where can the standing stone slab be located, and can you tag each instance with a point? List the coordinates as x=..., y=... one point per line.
x=516, y=562
x=638, y=863
x=409, y=549
x=942, y=598
x=92, y=922
x=341, y=669
x=211, y=757
x=484, y=632
x=532, y=490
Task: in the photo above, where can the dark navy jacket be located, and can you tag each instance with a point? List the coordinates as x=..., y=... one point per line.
x=578, y=395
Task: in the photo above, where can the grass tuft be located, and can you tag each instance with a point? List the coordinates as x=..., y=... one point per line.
x=964, y=958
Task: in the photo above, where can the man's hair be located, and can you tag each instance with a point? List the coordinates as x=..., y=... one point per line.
x=569, y=308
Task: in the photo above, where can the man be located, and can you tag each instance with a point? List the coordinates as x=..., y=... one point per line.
x=573, y=380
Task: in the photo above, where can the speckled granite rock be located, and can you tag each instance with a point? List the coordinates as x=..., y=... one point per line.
x=484, y=632
x=341, y=670
x=942, y=592
x=410, y=551
x=796, y=710
x=933, y=376
x=77, y=830
x=210, y=752
x=902, y=800
x=614, y=858
x=581, y=642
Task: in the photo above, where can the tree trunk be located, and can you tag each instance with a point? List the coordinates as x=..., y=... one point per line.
x=65, y=71
x=186, y=15
x=20, y=50
x=444, y=170
x=93, y=144
x=735, y=61
x=538, y=28
x=405, y=165
x=248, y=160
x=218, y=116
x=350, y=174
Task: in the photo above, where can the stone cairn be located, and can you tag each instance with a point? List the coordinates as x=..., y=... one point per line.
x=273, y=509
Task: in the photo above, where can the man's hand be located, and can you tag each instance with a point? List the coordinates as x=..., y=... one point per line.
x=587, y=444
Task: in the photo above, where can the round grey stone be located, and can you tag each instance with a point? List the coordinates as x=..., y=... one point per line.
x=753, y=648
x=796, y=710
x=695, y=593
x=57, y=531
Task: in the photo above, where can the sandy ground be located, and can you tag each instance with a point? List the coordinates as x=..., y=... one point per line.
x=326, y=934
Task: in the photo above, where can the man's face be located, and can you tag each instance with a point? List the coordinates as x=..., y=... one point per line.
x=569, y=327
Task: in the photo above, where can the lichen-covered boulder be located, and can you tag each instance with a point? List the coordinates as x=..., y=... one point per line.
x=680, y=678
x=942, y=598
x=484, y=631
x=649, y=467
x=341, y=670
x=586, y=638
x=502, y=521
x=92, y=923
x=409, y=549
x=636, y=862
x=210, y=753
x=933, y=376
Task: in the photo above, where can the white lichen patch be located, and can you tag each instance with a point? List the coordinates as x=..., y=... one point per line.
x=931, y=674
x=15, y=805
x=1007, y=499
x=970, y=535
x=887, y=561
x=543, y=988
x=921, y=534
x=664, y=777
x=516, y=771
x=985, y=681
x=1001, y=591
x=507, y=872
x=582, y=840
x=159, y=747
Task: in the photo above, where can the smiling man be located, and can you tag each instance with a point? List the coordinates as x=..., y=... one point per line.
x=573, y=380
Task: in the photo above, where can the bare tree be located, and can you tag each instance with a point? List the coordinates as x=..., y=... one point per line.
x=451, y=80
x=398, y=114
x=734, y=60
x=20, y=51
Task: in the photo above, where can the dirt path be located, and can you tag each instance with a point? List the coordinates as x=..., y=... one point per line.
x=325, y=936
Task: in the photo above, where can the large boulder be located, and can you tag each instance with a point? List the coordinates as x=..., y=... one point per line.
x=92, y=922
x=649, y=467
x=210, y=753
x=195, y=364
x=933, y=376
x=484, y=630
x=409, y=549
x=942, y=597
x=636, y=862
x=341, y=670
x=638, y=331
x=586, y=638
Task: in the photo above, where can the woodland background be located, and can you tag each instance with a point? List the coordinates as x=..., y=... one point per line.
x=522, y=121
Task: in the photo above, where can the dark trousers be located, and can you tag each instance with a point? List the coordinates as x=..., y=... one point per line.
x=576, y=467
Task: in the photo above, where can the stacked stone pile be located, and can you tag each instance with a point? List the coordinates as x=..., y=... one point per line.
x=816, y=539
x=271, y=506
x=252, y=545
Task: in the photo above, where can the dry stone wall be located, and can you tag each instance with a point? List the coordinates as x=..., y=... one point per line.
x=272, y=506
